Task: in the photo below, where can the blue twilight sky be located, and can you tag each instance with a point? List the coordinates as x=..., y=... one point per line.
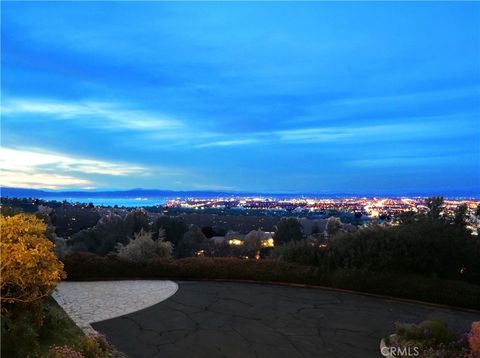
x=277, y=97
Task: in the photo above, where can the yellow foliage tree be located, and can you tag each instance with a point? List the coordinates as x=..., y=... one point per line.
x=29, y=269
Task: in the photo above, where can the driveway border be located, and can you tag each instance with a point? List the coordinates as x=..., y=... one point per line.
x=360, y=293
x=299, y=285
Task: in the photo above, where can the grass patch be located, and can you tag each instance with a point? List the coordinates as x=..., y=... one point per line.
x=44, y=330
x=58, y=329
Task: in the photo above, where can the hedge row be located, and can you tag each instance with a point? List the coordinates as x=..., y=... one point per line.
x=85, y=266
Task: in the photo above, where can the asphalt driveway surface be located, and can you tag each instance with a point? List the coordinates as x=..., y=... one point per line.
x=220, y=319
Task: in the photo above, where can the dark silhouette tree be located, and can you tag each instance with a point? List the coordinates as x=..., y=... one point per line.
x=407, y=217
x=137, y=220
x=208, y=231
x=315, y=229
x=288, y=229
x=174, y=229
x=333, y=226
x=435, y=206
x=103, y=237
x=460, y=217
x=193, y=241
x=69, y=219
x=424, y=247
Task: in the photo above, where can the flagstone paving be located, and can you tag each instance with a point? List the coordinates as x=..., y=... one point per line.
x=88, y=302
x=221, y=319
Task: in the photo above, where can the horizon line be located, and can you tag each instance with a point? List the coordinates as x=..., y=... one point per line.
x=250, y=193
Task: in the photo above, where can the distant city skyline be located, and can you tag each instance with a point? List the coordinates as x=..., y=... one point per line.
x=312, y=97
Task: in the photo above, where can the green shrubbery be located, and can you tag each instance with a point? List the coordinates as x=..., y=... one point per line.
x=192, y=242
x=44, y=330
x=86, y=266
x=111, y=230
x=82, y=266
x=431, y=332
x=288, y=229
x=93, y=346
x=433, y=339
x=31, y=329
x=425, y=247
x=20, y=331
x=428, y=247
x=305, y=252
x=114, y=229
x=63, y=352
x=143, y=247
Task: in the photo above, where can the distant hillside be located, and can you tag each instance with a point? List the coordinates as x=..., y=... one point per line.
x=134, y=193
x=155, y=193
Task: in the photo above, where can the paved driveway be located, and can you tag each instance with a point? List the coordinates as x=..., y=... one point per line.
x=211, y=319
x=92, y=301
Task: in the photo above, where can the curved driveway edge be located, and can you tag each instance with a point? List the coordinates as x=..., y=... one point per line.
x=235, y=320
x=340, y=290
x=93, y=301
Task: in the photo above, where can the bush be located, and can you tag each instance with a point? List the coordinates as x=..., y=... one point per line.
x=174, y=229
x=193, y=241
x=455, y=293
x=431, y=338
x=63, y=352
x=288, y=229
x=430, y=333
x=29, y=267
x=143, y=248
x=426, y=247
x=20, y=331
x=95, y=346
x=103, y=237
x=111, y=230
x=61, y=247
x=305, y=252
x=333, y=226
x=28, y=329
x=427, y=289
x=474, y=340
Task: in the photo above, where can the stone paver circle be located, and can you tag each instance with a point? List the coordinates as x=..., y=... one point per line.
x=94, y=301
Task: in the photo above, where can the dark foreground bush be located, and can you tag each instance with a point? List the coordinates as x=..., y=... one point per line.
x=432, y=338
x=303, y=252
x=426, y=247
x=29, y=329
x=86, y=266
x=43, y=329
x=455, y=293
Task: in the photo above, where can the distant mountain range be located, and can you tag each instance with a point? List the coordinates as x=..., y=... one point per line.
x=153, y=193
x=133, y=193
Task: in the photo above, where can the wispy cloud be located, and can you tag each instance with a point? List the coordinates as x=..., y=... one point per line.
x=159, y=130
x=410, y=161
x=20, y=159
x=228, y=143
x=95, y=114
x=309, y=135
x=386, y=107
x=30, y=168
x=409, y=98
x=427, y=127
x=38, y=180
